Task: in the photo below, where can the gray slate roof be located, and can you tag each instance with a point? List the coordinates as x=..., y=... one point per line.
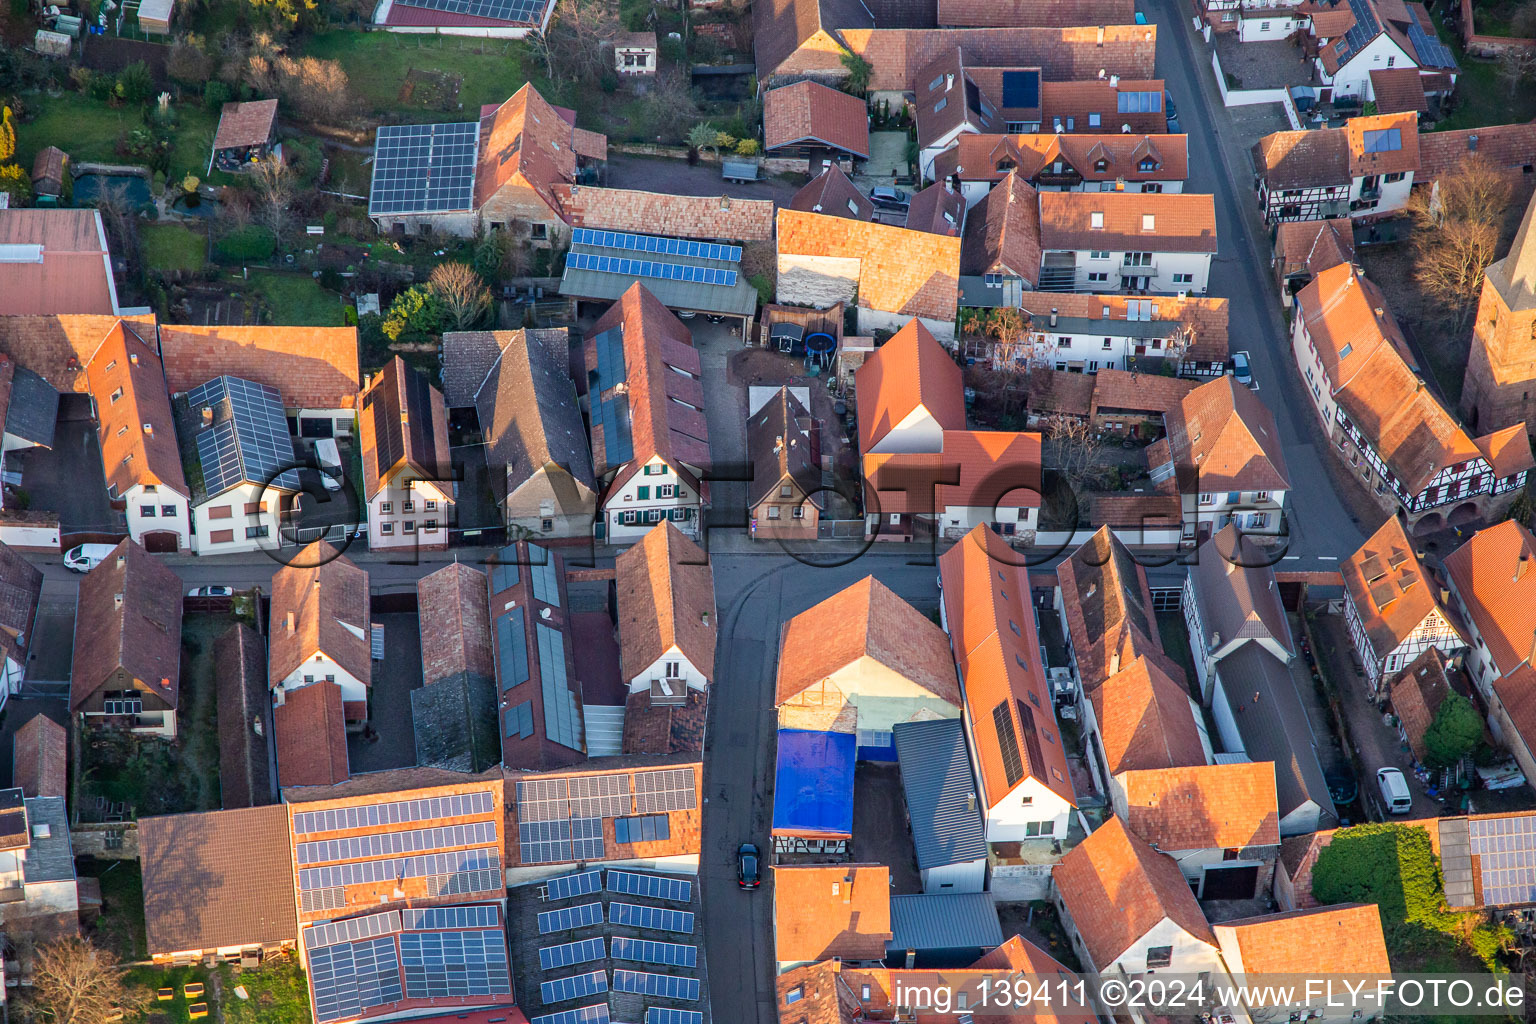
x=455, y=723
x=1237, y=592
x=939, y=921
x=528, y=412
x=1275, y=727
x=51, y=859
x=1456, y=862
x=33, y=409
x=941, y=793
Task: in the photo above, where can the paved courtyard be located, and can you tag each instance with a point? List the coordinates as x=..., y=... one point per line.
x=1263, y=65
x=390, y=704
x=659, y=174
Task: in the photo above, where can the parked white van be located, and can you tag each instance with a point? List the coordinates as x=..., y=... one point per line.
x=1394, y=791
x=85, y=557
x=330, y=463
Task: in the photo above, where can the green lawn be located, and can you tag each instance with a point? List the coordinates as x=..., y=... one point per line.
x=147, y=981
x=277, y=994
x=377, y=62
x=88, y=131
x=120, y=928
x=173, y=247
x=298, y=299
x=1481, y=98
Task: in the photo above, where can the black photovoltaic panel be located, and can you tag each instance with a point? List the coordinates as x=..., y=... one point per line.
x=563, y=887
x=1008, y=743
x=654, y=244
x=597, y=1013
x=618, y=437
x=391, y=868
x=662, y=919
x=587, y=838
x=546, y=587
x=382, y=844
x=568, y=954
x=352, y=930
x=544, y=842
x=351, y=977
x=522, y=12
x=686, y=272
x=610, y=358
x=560, y=711
x=667, y=1015
x=644, y=983
x=483, y=916
x=337, y=819
x=577, y=986
x=656, y=887
x=424, y=168
x=600, y=796
x=669, y=790
x=648, y=951
x=506, y=571
x=1021, y=89
x=565, y=919
x=252, y=445
x=512, y=648
x=1431, y=51
x=454, y=964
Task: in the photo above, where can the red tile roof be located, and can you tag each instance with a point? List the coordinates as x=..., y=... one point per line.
x=402, y=428
x=525, y=141
x=1386, y=583
x=1180, y=223
x=822, y=911
x=938, y=210
x=865, y=620
x=40, y=758
x=455, y=622
x=909, y=371
x=311, y=367
x=1108, y=605
x=1344, y=939
x=1416, y=693
x=1364, y=161
x=811, y=112
x=994, y=469
x=1508, y=146
x=1492, y=574
x=657, y=213
x=1300, y=159
x=128, y=620
x=245, y=124
x=1139, y=392
x=71, y=271
x=1080, y=99
x=1204, y=806
x=1399, y=91
x=1061, y=13
x=913, y=273
x=1224, y=439
x=1145, y=720
x=987, y=604
x=310, y=732
x=1298, y=855
x=1314, y=244
x=1002, y=232
x=128, y=367
x=666, y=599
x=1204, y=316
x=831, y=192
x=992, y=157
x=1117, y=889
x=1508, y=451
x=324, y=594
x=948, y=99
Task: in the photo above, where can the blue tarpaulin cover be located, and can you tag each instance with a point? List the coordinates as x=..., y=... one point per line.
x=813, y=784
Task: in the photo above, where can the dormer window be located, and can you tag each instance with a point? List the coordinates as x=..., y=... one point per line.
x=1101, y=165
x=1147, y=164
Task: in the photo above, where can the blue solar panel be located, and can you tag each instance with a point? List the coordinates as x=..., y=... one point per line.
x=568, y=954
x=597, y=1013
x=644, y=983
x=654, y=918
x=482, y=916
x=618, y=440
x=521, y=12
x=1384, y=140
x=1431, y=51
x=512, y=648
x=351, y=977
x=564, y=919
x=389, y=869
x=610, y=358
x=657, y=887
x=1365, y=28
x=667, y=1015
x=397, y=812
x=648, y=268
x=454, y=964
x=384, y=844
x=1021, y=89
x=248, y=441
x=648, y=951
x=652, y=243
x=563, y=887
x=577, y=986
x=424, y=168
x=546, y=584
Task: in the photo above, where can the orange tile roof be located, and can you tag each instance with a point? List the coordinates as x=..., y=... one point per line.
x=1399, y=91
x=1205, y=316
x=865, y=620
x=1063, y=13
x=57, y=347
x=1204, y=807
x=913, y=273
x=1180, y=223
x=831, y=192
x=987, y=603
x=992, y=157
x=526, y=141
x=937, y=209
x=310, y=734
x=826, y=910
x=1224, y=439
x=326, y=593
x=1508, y=146
x=245, y=124
x=1142, y=392
x=909, y=371
x=1108, y=605
x=657, y=213
x=1081, y=99
x=1002, y=232
x=1517, y=692
x=1388, y=587
x=1405, y=158
x=1492, y=574
x=1416, y=694
x=666, y=598
x=1508, y=451
x=941, y=108
x=1117, y=889
x=1314, y=244
x=1342, y=939
x=996, y=469
x=1145, y=720
x=71, y=271
x=811, y=112
x=311, y=367
x=402, y=425
x=127, y=384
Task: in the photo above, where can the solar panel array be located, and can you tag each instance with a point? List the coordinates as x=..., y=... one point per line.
x=599, y=796
x=647, y=951
x=686, y=272
x=1365, y=28
x=597, y=1013
x=338, y=819
x=670, y=790
x=482, y=916
x=546, y=585
x=252, y=445
x=667, y=1015
x=660, y=919
x=577, y=986
x=522, y=12
x=351, y=930
x=563, y=887
x=1384, y=140
x=612, y=416
x=568, y=954
x=561, y=718
x=1506, y=848
x=349, y=977
x=611, y=368
x=561, y=820
x=651, y=243
x=389, y=869
x=455, y=963
x=656, y=887
x=381, y=844
x=646, y=983
x=424, y=168
x=1431, y=51
x=544, y=842
x=564, y=919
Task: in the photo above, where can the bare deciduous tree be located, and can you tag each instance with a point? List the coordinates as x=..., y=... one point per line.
x=76, y=983
x=1075, y=449
x=464, y=296
x=273, y=182
x=1457, y=233
x=573, y=46
x=318, y=88
x=670, y=106
x=1517, y=65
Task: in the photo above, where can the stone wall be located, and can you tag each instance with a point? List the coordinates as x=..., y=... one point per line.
x=92, y=840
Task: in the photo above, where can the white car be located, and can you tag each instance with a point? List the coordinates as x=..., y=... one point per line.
x=211, y=592
x=85, y=557
x=1242, y=369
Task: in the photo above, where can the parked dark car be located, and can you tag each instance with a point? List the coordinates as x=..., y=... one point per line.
x=889, y=198
x=1172, y=112
x=748, y=874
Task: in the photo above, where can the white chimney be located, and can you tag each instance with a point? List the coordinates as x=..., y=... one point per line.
x=949, y=82
x=1114, y=81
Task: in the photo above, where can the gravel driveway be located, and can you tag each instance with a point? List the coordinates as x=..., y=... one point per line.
x=658, y=174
